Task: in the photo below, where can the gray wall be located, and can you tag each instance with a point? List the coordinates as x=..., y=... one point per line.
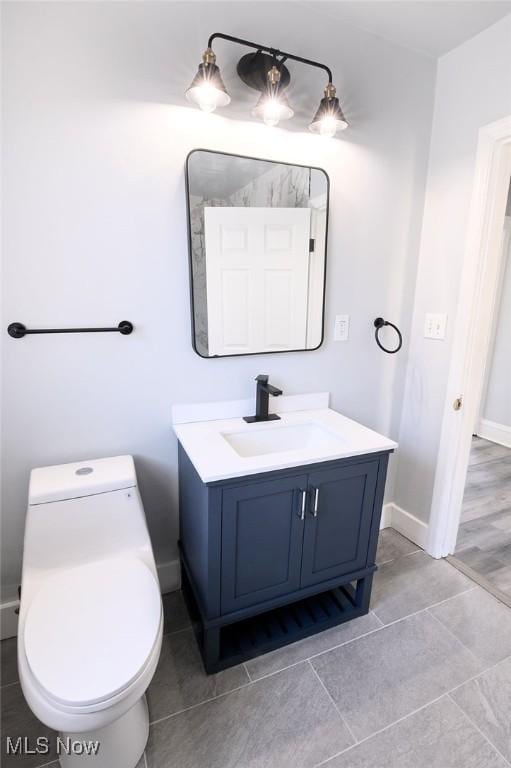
x=95, y=135
x=473, y=89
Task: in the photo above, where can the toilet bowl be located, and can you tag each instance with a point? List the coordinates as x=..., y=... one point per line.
x=91, y=620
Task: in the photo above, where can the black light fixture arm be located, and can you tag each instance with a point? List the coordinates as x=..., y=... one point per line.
x=272, y=51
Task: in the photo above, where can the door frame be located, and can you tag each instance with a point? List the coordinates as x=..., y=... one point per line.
x=479, y=291
x=506, y=245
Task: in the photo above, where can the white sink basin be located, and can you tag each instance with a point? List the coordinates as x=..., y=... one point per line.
x=259, y=439
x=221, y=446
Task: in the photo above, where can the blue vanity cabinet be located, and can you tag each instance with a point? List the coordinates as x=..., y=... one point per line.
x=338, y=522
x=271, y=558
x=262, y=533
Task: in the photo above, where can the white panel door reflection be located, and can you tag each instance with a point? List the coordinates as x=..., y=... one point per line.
x=257, y=278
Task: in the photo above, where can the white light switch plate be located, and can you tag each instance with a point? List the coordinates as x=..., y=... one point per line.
x=342, y=328
x=435, y=326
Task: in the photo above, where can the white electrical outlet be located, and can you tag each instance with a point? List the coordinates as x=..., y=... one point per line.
x=435, y=326
x=342, y=328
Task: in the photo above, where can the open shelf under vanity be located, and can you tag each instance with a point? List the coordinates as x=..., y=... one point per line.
x=250, y=637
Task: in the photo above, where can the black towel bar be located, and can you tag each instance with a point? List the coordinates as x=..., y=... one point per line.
x=378, y=324
x=18, y=330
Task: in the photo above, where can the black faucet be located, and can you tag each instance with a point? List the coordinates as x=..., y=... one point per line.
x=263, y=392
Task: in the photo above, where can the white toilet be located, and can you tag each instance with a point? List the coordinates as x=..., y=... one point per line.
x=91, y=620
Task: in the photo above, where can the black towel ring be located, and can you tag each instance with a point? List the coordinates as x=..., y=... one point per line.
x=378, y=324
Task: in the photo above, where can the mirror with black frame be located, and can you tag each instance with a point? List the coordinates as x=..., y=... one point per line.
x=257, y=240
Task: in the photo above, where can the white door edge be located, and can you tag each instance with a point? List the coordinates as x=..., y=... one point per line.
x=472, y=331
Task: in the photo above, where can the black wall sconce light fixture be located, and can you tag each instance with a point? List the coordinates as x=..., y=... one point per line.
x=264, y=71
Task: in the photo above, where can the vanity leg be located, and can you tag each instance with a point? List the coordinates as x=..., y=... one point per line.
x=363, y=592
x=211, y=648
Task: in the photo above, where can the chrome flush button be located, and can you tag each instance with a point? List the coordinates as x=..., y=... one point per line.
x=84, y=471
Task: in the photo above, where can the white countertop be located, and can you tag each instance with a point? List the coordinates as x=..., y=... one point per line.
x=215, y=459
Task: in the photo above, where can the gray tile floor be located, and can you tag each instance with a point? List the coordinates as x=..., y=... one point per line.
x=484, y=536
x=422, y=681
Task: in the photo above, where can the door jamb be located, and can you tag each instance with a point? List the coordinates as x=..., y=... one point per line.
x=506, y=244
x=472, y=331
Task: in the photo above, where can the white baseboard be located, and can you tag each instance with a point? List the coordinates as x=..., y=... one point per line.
x=406, y=524
x=8, y=619
x=386, y=516
x=496, y=433
x=169, y=576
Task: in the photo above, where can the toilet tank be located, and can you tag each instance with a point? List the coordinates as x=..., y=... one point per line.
x=83, y=478
x=85, y=511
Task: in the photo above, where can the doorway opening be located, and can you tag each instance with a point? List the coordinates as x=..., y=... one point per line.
x=483, y=545
x=476, y=344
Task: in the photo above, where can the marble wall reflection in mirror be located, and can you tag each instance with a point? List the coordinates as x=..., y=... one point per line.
x=257, y=238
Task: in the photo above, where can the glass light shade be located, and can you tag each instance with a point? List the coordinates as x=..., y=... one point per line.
x=272, y=108
x=207, y=89
x=329, y=118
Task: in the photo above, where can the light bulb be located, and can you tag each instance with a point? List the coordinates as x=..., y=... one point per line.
x=273, y=108
x=272, y=112
x=328, y=126
x=207, y=97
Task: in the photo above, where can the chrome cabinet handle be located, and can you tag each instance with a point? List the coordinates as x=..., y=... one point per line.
x=304, y=503
x=316, y=499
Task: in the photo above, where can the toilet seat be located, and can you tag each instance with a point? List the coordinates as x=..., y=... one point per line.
x=90, y=630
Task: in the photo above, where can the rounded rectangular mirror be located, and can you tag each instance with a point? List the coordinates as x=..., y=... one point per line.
x=257, y=240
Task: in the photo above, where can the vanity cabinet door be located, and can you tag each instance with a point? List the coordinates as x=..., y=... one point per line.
x=338, y=521
x=262, y=535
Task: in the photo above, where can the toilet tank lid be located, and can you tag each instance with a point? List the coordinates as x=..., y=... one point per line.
x=81, y=478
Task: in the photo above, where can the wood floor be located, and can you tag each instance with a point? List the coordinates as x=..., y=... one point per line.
x=484, y=538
